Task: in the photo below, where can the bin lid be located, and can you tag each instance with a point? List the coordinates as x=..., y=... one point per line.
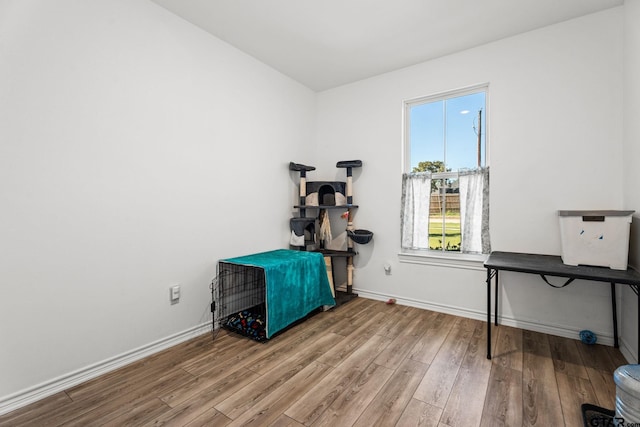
x=595, y=213
x=627, y=377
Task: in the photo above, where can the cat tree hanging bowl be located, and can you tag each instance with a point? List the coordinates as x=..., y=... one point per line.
x=361, y=237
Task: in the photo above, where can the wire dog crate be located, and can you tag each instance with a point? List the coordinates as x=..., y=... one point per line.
x=238, y=294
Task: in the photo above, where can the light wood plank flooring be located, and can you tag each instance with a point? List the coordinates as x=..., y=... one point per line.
x=362, y=364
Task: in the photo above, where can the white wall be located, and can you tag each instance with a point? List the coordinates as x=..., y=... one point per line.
x=135, y=151
x=631, y=163
x=555, y=135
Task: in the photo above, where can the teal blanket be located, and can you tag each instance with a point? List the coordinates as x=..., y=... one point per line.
x=296, y=284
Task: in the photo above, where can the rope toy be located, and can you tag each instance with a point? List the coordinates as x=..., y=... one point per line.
x=588, y=337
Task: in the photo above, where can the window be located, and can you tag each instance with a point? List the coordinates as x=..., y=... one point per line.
x=445, y=193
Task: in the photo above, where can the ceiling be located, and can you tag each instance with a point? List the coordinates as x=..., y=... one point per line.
x=327, y=43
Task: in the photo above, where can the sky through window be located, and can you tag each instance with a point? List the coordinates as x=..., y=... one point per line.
x=447, y=130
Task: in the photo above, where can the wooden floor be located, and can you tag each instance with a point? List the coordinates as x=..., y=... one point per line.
x=363, y=364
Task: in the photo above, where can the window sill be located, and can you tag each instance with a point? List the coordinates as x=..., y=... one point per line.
x=451, y=260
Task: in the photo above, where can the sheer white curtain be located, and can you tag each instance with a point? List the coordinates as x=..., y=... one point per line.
x=416, y=194
x=474, y=211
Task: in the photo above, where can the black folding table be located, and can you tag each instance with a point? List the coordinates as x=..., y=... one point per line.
x=551, y=265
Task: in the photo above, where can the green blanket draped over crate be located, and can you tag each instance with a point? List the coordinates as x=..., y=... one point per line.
x=296, y=284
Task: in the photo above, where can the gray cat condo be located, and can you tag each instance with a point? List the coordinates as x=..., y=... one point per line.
x=323, y=195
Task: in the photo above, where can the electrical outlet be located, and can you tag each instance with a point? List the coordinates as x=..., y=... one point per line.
x=387, y=269
x=174, y=294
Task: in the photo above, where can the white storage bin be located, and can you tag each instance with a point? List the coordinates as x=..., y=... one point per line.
x=599, y=238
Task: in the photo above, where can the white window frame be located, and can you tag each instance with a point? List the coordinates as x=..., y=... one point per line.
x=433, y=257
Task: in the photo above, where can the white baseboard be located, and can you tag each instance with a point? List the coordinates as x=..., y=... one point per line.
x=628, y=352
x=63, y=382
x=604, y=337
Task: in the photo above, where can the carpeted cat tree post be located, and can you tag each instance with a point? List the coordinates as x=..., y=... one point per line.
x=299, y=225
x=349, y=165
